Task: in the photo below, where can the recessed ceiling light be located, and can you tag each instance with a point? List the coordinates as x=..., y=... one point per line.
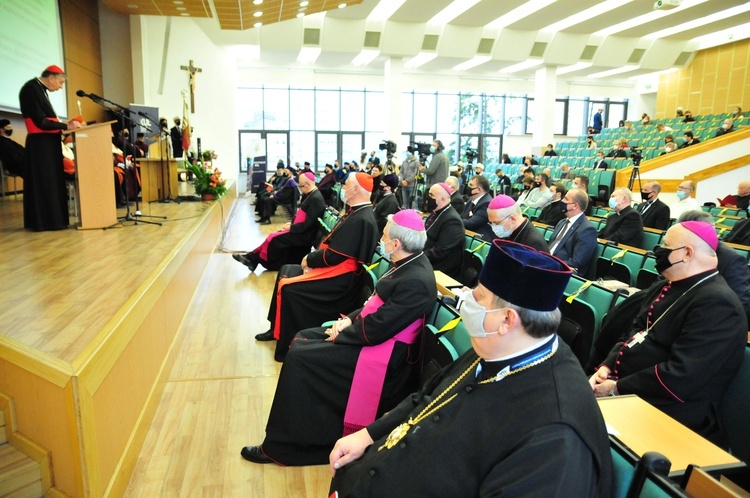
x=181, y=8
x=301, y=14
x=257, y=2
x=342, y=5
x=304, y=4
x=257, y=24
x=258, y=14
x=184, y=14
x=178, y=2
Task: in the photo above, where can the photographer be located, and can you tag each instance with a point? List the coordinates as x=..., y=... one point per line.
x=407, y=177
x=437, y=171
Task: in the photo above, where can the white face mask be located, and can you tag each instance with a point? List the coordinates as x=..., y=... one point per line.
x=473, y=315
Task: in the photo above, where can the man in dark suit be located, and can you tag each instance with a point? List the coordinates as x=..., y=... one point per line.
x=475, y=212
x=574, y=238
x=457, y=201
x=654, y=212
x=600, y=163
x=624, y=226
x=445, y=233
x=551, y=214
x=176, y=135
x=689, y=140
x=507, y=222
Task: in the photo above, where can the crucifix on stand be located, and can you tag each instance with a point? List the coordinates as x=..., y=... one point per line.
x=192, y=70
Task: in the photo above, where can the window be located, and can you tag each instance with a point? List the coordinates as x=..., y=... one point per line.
x=302, y=103
x=276, y=109
x=352, y=111
x=374, y=116
x=424, y=112
x=471, y=113
x=327, y=110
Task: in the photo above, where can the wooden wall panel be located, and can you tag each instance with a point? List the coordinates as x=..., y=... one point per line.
x=714, y=83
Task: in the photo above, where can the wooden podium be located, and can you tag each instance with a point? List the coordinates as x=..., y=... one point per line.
x=158, y=179
x=95, y=176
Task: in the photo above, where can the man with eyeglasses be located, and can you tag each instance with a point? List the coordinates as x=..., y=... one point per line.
x=686, y=201
x=653, y=211
x=507, y=222
x=574, y=239
x=45, y=203
x=674, y=356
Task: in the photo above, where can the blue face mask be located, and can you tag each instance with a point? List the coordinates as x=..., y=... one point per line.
x=432, y=149
x=499, y=230
x=342, y=195
x=681, y=195
x=383, y=251
x=612, y=202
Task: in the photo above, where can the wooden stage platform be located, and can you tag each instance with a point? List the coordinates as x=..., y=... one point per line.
x=88, y=323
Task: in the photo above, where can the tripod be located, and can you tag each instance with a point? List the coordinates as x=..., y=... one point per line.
x=635, y=174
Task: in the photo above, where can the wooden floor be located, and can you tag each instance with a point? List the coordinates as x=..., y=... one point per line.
x=220, y=390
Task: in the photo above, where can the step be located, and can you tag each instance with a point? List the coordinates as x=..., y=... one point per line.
x=20, y=476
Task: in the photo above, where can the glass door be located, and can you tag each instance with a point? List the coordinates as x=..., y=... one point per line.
x=247, y=148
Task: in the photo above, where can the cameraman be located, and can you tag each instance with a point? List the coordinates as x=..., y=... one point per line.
x=437, y=171
x=407, y=177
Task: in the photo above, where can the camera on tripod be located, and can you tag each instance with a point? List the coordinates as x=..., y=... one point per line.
x=471, y=154
x=636, y=155
x=421, y=149
x=388, y=146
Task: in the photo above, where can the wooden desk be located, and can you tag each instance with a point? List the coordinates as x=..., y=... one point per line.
x=446, y=283
x=644, y=428
x=154, y=176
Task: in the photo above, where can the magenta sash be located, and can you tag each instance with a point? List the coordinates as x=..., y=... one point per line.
x=262, y=250
x=369, y=374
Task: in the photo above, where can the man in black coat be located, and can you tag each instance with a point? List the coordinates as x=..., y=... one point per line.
x=388, y=202
x=551, y=214
x=475, y=212
x=457, y=200
x=176, y=135
x=445, y=233
x=12, y=154
x=687, y=342
x=295, y=239
x=507, y=222
x=653, y=211
x=624, y=226
x=457, y=435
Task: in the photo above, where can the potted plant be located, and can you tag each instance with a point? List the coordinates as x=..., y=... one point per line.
x=207, y=180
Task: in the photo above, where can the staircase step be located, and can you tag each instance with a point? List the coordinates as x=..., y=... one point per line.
x=20, y=476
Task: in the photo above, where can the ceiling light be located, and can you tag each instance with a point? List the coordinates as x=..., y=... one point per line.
x=618, y=70
x=257, y=25
x=597, y=10
x=257, y=14
x=178, y=2
x=342, y=5
x=303, y=4
x=420, y=59
x=473, y=62
x=301, y=14
x=184, y=14
x=181, y=8
x=702, y=21
x=308, y=55
x=527, y=64
x=257, y=2
x=572, y=68
x=452, y=11
x=519, y=13
x=646, y=18
x=365, y=57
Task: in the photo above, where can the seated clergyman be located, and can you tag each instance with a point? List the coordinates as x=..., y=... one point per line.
x=513, y=416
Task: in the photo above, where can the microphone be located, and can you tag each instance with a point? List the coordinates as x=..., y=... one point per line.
x=81, y=93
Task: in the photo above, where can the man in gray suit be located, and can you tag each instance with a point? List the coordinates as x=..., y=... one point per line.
x=437, y=170
x=574, y=238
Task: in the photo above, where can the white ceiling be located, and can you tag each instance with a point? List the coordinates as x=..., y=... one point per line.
x=636, y=41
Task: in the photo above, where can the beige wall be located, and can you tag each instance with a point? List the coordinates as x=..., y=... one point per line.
x=714, y=83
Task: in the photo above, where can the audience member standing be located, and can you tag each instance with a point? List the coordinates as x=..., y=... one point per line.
x=176, y=134
x=407, y=177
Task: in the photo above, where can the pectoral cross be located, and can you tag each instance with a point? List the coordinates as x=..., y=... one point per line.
x=192, y=70
x=637, y=338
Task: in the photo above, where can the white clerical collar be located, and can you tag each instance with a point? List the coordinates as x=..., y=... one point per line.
x=537, y=344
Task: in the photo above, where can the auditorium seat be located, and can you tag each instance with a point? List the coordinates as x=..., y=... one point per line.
x=734, y=409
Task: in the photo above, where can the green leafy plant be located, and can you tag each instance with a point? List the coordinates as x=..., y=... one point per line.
x=207, y=179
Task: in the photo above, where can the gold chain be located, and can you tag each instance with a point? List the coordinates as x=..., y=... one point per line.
x=400, y=431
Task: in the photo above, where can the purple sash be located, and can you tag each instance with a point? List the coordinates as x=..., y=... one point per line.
x=369, y=374
x=262, y=250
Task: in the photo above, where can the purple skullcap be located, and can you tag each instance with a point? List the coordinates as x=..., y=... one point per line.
x=408, y=218
x=310, y=176
x=706, y=232
x=446, y=187
x=544, y=276
x=501, y=202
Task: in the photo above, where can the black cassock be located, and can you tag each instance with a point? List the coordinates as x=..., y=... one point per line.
x=387, y=204
x=538, y=432
x=689, y=357
x=309, y=303
x=290, y=247
x=45, y=202
x=445, y=241
x=307, y=415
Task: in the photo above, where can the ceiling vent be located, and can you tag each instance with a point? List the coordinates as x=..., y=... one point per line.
x=372, y=39
x=430, y=42
x=538, y=49
x=485, y=46
x=636, y=56
x=311, y=36
x=588, y=52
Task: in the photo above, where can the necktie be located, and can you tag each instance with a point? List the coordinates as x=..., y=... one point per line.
x=559, y=237
x=645, y=208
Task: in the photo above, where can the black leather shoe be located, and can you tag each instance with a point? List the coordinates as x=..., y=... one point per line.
x=266, y=221
x=251, y=265
x=265, y=336
x=254, y=454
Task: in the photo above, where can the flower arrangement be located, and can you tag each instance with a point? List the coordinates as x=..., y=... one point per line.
x=207, y=179
x=209, y=155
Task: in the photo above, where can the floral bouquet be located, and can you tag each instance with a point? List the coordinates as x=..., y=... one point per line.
x=207, y=180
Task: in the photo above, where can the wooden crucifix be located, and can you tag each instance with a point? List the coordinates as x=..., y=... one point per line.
x=192, y=70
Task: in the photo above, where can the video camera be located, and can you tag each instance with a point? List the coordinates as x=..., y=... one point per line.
x=636, y=155
x=471, y=154
x=388, y=146
x=421, y=149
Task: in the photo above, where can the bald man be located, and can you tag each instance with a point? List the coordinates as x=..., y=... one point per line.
x=445, y=233
x=624, y=226
x=742, y=199
x=686, y=201
x=654, y=212
x=675, y=356
x=457, y=201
